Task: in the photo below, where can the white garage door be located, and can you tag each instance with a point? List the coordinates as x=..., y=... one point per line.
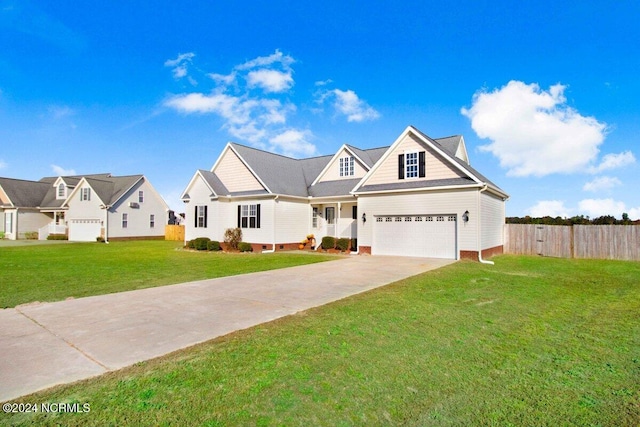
x=84, y=230
x=432, y=236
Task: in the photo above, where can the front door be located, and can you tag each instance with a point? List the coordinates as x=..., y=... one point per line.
x=330, y=217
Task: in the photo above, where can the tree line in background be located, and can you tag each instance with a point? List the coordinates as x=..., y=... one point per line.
x=574, y=220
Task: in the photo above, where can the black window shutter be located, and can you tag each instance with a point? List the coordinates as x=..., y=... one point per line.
x=196, y=217
x=258, y=215
x=401, y=166
x=354, y=212
x=205, y=216
x=239, y=213
x=421, y=165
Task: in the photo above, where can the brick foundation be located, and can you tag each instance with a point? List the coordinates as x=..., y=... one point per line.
x=364, y=250
x=486, y=253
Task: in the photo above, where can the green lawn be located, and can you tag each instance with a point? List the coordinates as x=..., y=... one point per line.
x=527, y=342
x=58, y=271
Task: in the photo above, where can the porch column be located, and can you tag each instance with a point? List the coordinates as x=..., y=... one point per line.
x=337, y=234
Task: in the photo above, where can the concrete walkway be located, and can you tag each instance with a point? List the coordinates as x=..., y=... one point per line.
x=45, y=344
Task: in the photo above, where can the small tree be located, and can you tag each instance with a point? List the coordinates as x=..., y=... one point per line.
x=233, y=236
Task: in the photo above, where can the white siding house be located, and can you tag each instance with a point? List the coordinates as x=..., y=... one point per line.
x=417, y=197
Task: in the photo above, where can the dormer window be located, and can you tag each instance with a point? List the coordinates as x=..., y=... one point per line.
x=347, y=167
x=412, y=164
x=62, y=190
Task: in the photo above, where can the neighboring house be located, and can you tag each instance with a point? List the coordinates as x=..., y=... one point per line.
x=83, y=207
x=417, y=197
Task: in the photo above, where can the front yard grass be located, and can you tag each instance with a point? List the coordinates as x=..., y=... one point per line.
x=55, y=272
x=527, y=342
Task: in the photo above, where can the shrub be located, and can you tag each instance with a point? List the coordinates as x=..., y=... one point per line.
x=31, y=235
x=213, y=246
x=100, y=239
x=342, y=244
x=1, y=235
x=201, y=243
x=328, y=242
x=57, y=237
x=190, y=244
x=232, y=237
x=245, y=247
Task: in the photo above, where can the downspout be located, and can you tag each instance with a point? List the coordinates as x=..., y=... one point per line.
x=106, y=223
x=273, y=245
x=483, y=261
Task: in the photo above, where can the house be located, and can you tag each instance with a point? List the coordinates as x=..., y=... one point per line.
x=84, y=207
x=417, y=197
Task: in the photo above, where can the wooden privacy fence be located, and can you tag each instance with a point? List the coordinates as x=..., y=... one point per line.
x=578, y=241
x=174, y=232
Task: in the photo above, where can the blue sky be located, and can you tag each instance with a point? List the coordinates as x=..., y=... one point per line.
x=546, y=94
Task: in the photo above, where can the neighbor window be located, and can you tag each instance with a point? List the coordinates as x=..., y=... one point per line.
x=152, y=221
x=140, y=196
x=347, y=167
x=314, y=218
x=249, y=216
x=85, y=194
x=125, y=220
x=8, y=222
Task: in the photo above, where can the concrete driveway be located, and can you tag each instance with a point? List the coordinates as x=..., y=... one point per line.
x=45, y=344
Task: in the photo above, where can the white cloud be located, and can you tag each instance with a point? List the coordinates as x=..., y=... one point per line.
x=534, y=132
x=180, y=65
x=323, y=82
x=252, y=102
x=634, y=213
x=293, y=141
x=263, y=61
x=270, y=80
x=601, y=183
x=60, y=171
x=348, y=103
x=614, y=161
x=599, y=207
x=552, y=208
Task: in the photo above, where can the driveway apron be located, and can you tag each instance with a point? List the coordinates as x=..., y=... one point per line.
x=45, y=344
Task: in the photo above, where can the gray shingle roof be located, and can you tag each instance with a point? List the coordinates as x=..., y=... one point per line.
x=42, y=194
x=214, y=182
x=24, y=194
x=333, y=188
x=288, y=176
x=415, y=184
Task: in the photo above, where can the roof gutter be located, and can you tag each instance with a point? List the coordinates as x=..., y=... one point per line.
x=483, y=261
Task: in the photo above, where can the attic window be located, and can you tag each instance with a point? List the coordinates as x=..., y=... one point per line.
x=85, y=194
x=61, y=190
x=347, y=166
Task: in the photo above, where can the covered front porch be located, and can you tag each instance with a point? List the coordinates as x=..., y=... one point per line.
x=335, y=218
x=58, y=225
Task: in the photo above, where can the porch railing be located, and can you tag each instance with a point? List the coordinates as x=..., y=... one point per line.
x=52, y=228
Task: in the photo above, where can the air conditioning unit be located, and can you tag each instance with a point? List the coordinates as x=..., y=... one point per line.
x=134, y=205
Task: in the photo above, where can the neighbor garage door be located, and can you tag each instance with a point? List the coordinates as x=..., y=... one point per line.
x=431, y=236
x=84, y=230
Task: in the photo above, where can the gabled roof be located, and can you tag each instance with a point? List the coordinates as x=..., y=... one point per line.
x=448, y=149
x=283, y=175
x=22, y=193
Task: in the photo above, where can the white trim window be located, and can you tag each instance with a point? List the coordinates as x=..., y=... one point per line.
x=411, y=164
x=152, y=221
x=85, y=194
x=347, y=166
x=249, y=216
x=201, y=216
x=140, y=196
x=61, y=191
x=125, y=220
x=314, y=218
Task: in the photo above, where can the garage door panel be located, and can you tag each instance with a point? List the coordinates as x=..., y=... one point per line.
x=431, y=236
x=84, y=230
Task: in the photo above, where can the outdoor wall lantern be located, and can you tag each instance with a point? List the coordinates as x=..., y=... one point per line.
x=465, y=216
x=364, y=218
